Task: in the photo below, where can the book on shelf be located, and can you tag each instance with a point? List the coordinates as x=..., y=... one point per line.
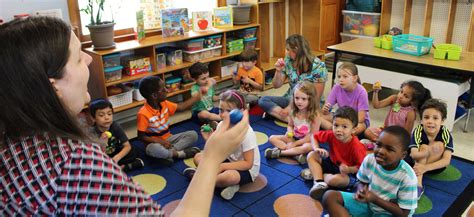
x=140, y=25
x=151, y=12
x=202, y=21
x=223, y=17
x=174, y=21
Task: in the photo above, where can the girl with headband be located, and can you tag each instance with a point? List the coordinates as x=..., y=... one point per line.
x=243, y=165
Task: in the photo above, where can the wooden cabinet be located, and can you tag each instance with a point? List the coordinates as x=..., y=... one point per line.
x=98, y=85
x=330, y=23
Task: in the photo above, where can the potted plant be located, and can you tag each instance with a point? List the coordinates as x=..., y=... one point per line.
x=101, y=32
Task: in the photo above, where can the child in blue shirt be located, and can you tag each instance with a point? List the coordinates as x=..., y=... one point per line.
x=387, y=183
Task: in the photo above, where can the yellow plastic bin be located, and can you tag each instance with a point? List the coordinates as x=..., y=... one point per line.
x=378, y=42
x=387, y=42
x=449, y=51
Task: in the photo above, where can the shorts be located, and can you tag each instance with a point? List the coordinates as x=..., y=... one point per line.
x=329, y=167
x=356, y=208
x=245, y=176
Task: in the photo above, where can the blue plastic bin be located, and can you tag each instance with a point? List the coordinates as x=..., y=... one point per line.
x=412, y=44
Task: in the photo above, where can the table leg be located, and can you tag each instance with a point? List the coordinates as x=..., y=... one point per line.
x=334, y=69
x=469, y=103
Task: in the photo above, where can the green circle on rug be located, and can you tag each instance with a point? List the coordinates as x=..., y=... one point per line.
x=262, y=138
x=151, y=183
x=449, y=174
x=281, y=123
x=424, y=205
x=190, y=162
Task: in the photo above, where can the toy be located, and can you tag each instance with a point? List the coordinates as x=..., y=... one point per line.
x=371, y=30
x=206, y=128
x=235, y=116
x=108, y=134
x=395, y=31
x=289, y=134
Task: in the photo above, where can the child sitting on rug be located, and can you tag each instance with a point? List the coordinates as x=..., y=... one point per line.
x=249, y=76
x=387, y=183
x=153, y=123
x=243, y=165
x=338, y=167
x=303, y=121
x=431, y=144
x=403, y=108
x=112, y=134
x=203, y=110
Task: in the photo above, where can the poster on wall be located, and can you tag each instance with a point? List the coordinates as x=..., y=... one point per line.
x=202, y=21
x=151, y=12
x=174, y=21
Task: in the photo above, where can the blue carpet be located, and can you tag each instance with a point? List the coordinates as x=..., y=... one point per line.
x=283, y=179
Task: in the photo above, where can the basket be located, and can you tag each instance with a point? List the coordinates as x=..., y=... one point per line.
x=449, y=51
x=122, y=99
x=412, y=44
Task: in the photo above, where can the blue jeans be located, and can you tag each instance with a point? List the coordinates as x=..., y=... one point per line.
x=268, y=103
x=179, y=142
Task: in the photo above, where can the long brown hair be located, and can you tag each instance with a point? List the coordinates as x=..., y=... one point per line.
x=307, y=88
x=33, y=50
x=351, y=67
x=304, y=58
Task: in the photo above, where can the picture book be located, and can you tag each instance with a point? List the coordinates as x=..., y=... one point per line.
x=151, y=12
x=223, y=17
x=140, y=25
x=202, y=21
x=174, y=21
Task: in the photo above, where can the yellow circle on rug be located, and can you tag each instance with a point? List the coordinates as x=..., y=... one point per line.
x=262, y=138
x=151, y=183
x=297, y=205
x=190, y=162
x=257, y=185
x=281, y=123
x=170, y=207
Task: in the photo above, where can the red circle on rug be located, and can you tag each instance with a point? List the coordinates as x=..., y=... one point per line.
x=297, y=205
x=259, y=183
x=171, y=206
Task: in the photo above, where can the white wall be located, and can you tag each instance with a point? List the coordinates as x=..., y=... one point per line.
x=8, y=8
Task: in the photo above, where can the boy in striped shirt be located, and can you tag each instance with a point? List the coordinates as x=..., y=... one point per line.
x=387, y=183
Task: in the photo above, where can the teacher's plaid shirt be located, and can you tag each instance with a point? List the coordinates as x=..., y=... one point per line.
x=46, y=175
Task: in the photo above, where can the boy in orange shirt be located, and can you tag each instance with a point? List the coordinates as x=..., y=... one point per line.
x=249, y=76
x=153, y=122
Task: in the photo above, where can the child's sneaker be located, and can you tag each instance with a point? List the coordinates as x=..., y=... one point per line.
x=136, y=164
x=190, y=152
x=318, y=189
x=189, y=172
x=306, y=174
x=229, y=192
x=301, y=158
x=272, y=153
x=369, y=145
x=420, y=190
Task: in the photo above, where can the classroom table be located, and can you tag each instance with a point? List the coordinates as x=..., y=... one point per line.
x=364, y=47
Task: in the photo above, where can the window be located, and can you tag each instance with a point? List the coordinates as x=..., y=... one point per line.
x=124, y=13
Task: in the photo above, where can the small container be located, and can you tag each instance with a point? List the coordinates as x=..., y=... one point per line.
x=135, y=65
x=111, y=60
x=216, y=52
x=235, y=49
x=212, y=41
x=249, y=43
x=173, y=83
x=122, y=99
x=160, y=61
x=193, y=45
x=449, y=51
x=136, y=95
x=235, y=43
x=194, y=56
x=412, y=44
x=378, y=42
x=113, y=73
x=247, y=33
x=361, y=23
x=174, y=58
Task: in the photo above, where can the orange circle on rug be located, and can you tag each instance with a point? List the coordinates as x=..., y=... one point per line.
x=190, y=162
x=287, y=160
x=151, y=183
x=170, y=207
x=297, y=205
x=262, y=138
x=259, y=183
x=281, y=123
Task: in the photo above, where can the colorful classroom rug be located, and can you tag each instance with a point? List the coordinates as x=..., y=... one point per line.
x=280, y=191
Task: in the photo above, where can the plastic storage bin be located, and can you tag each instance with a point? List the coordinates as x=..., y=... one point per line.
x=174, y=56
x=228, y=68
x=111, y=60
x=247, y=33
x=347, y=37
x=449, y=51
x=160, y=60
x=361, y=23
x=193, y=45
x=213, y=41
x=249, y=43
x=135, y=65
x=384, y=42
x=122, y=99
x=194, y=56
x=412, y=44
x=173, y=83
x=235, y=45
x=113, y=73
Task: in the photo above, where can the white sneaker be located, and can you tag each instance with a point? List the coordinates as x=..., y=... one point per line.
x=229, y=192
x=301, y=158
x=306, y=174
x=318, y=189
